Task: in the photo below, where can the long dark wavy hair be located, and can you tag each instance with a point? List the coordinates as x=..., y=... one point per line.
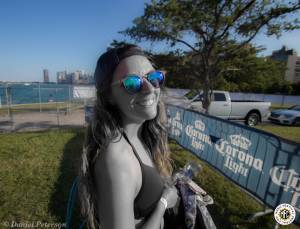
x=105, y=128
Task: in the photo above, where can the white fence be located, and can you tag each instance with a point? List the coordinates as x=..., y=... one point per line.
x=84, y=92
x=274, y=99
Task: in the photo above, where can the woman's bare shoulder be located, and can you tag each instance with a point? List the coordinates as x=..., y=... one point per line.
x=116, y=185
x=117, y=155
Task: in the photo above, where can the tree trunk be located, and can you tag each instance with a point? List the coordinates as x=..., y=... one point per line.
x=206, y=94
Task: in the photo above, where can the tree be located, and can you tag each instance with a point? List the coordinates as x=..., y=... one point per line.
x=213, y=25
x=296, y=88
x=178, y=69
x=251, y=73
x=116, y=43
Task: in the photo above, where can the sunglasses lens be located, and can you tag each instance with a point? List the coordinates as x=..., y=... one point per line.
x=156, y=78
x=132, y=83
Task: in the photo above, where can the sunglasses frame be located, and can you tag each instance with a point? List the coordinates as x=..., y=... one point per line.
x=121, y=81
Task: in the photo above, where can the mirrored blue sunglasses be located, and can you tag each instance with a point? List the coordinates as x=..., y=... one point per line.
x=133, y=83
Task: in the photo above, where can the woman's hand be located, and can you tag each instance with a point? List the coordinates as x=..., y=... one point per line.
x=171, y=196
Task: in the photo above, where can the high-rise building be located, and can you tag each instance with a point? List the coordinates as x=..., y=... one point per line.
x=46, y=75
x=77, y=77
x=91, y=78
x=292, y=73
x=69, y=78
x=61, y=76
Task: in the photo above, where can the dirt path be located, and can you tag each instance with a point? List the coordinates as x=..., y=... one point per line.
x=33, y=121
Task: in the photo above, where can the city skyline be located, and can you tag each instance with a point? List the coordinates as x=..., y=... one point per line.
x=70, y=35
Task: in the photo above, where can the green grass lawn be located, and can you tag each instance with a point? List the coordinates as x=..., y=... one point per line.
x=287, y=132
x=278, y=106
x=37, y=170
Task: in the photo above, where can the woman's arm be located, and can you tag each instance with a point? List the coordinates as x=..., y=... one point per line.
x=156, y=218
x=115, y=183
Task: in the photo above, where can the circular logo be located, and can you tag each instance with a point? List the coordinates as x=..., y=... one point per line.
x=284, y=214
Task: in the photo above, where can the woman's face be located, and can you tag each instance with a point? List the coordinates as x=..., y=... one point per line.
x=140, y=106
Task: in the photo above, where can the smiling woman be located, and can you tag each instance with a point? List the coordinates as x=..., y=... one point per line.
x=126, y=157
x=140, y=98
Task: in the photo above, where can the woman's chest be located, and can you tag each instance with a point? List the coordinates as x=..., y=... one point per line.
x=143, y=154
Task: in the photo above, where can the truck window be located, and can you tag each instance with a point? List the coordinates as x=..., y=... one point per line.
x=218, y=97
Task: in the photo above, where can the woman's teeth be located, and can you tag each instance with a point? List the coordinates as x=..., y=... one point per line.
x=147, y=102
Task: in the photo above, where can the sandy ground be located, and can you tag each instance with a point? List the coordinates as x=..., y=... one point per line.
x=35, y=121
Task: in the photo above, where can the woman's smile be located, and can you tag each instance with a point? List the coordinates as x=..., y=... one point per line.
x=146, y=102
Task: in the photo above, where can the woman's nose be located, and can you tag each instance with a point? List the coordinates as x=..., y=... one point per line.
x=147, y=86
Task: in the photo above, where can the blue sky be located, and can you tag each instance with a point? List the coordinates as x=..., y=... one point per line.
x=71, y=34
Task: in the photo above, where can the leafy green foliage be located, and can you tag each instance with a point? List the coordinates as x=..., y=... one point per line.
x=251, y=73
x=179, y=70
x=213, y=26
x=245, y=72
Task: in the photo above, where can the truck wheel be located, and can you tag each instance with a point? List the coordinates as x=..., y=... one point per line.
x=252, y=119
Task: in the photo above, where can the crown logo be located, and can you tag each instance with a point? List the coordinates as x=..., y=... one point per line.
x=240, y=141
x=199, y=125
x=177, y=116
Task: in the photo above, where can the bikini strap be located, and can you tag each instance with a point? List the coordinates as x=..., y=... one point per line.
x=133, y=148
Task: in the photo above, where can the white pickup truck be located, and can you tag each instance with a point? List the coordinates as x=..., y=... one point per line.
x=223, y=107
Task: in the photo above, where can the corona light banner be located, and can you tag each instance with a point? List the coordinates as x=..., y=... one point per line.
x=261, y=163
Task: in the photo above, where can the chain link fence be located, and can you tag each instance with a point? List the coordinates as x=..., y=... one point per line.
x=37, y=106
x=26, y=107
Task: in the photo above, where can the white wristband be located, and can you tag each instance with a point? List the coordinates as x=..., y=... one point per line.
x=164, y=202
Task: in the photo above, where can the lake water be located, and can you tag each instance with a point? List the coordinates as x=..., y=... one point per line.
x=24, y=93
